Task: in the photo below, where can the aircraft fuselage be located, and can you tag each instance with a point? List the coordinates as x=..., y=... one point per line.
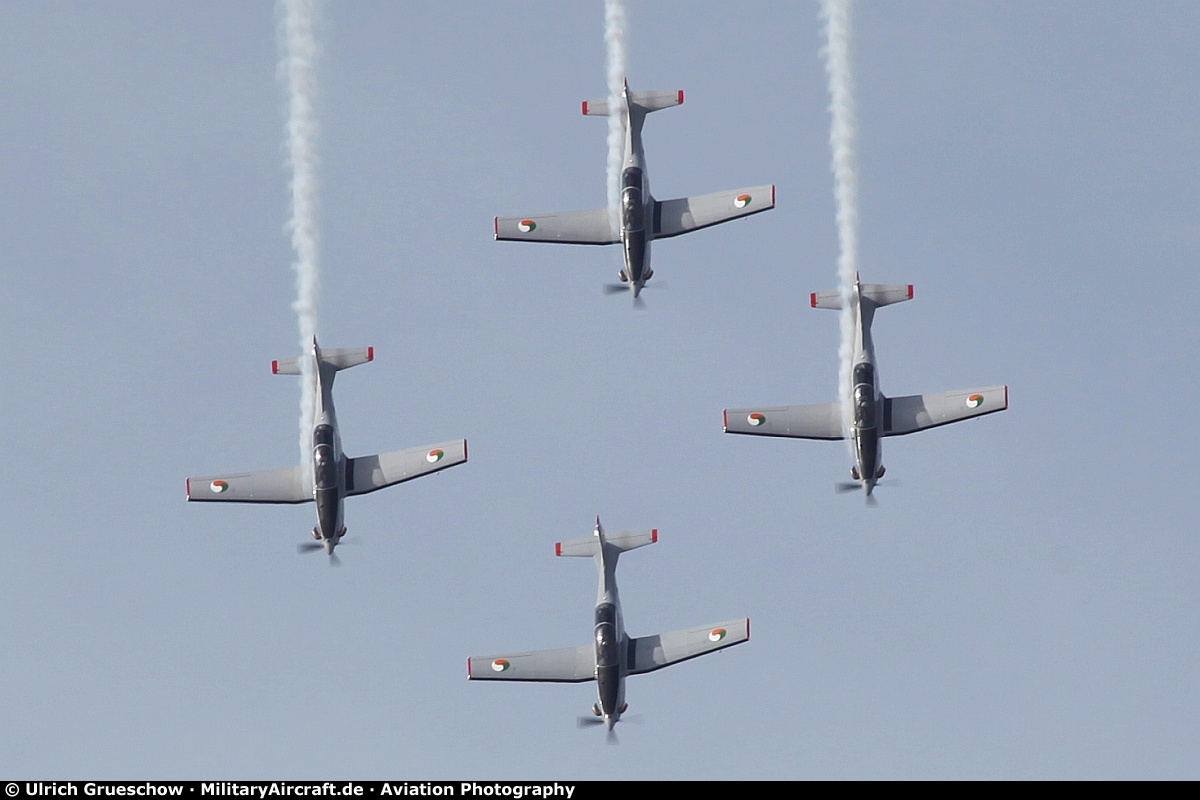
x=867, y=400
x=611, y=641
x=329, y=462
x=637, y=204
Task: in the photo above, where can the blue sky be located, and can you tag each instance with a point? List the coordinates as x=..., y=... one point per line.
x=1023, y=604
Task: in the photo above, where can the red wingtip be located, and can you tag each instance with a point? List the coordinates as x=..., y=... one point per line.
x=464, y=449
x=275, y=367
x=558, y=548
x=585, y=108
x=725, y=418
x=189, y=488
x=468, y=668
x=370, y=354
x=1006, y=397
x=747, y=629
x=772, y=194
x=681, y=97
x=813, y=299
x=654, y=536
x=910, y=291
x=496, y=226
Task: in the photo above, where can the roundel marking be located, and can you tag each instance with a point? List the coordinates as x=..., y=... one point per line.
x=975, y=401
x=526, y=225
x=500, y=664
x=717, y=634
x=756, y=419
x=219, y=486
x=741, y=201
x=434, y=456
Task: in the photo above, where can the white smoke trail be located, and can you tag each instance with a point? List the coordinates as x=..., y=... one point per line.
x=298, y=68
x=614, y=41
x=842, y=136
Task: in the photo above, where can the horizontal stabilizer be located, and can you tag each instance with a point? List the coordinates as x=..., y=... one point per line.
x=368, y=473
x=648, y=653
x=589, y=546
x=594, y=226
x=647, y=101
x=919, y=412
x=286, y=485
x=818, y=421
x=564, y=665
x=338, y=358
x=687, y=214
x=878, y=293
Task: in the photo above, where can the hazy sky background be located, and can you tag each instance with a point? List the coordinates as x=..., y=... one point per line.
x=1024, y=604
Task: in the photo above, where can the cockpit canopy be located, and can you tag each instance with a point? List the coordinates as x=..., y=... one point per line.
x=864, y=373
x=632, y=212
x=607, y=651
x=324, y=463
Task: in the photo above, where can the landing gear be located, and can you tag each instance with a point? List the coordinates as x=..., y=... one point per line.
x=624, y=278
x=854, y=473
x=879, y=474
x=624, y=706
x=649, y=274
x=316, y=534
x=596, y=709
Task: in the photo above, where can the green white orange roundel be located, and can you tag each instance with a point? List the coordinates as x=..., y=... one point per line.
x=717, y=634
x=756, y=419
x=433, y=456
x=975, y=401
x=526, y=225
x=500, y=664
x=218, y=486
x=741, y=201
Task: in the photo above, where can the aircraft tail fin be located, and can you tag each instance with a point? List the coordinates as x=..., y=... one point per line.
x=646, y=101
x=339, y=359
x=878, y=293
x=589, y=546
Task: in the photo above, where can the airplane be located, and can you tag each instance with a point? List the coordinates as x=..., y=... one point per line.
x=874, y=415
x=641, y=219
x=613, y=655
x=332, y=476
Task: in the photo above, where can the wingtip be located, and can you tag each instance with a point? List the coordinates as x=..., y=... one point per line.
x=188, y=490
x=653, y=535
x=558, y=548
x=1006, y=397
x=274, y=367
x=681, y=97
x=747, y=629
x=910, y=291
x=585, y=102
x=772, y=194
x=468, y=668
x=464, y=449
x=725, y=420
x=813, y=299
x=370, y=354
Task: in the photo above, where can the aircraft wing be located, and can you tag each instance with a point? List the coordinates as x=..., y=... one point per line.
x=285, y=485
x=594, y=226
x=687, y=214
x=564, y=665
x=819, y=421
x=369, y=473
x=917, y=412
x=648, y=653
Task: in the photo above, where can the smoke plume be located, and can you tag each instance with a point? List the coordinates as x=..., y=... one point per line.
x=614, y=41
x=842, y=139
x=298, y=69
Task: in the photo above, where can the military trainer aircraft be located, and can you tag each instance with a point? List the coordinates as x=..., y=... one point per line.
x=613, y=655
x=873, y=415
x=641, y=218
x=331, y=477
